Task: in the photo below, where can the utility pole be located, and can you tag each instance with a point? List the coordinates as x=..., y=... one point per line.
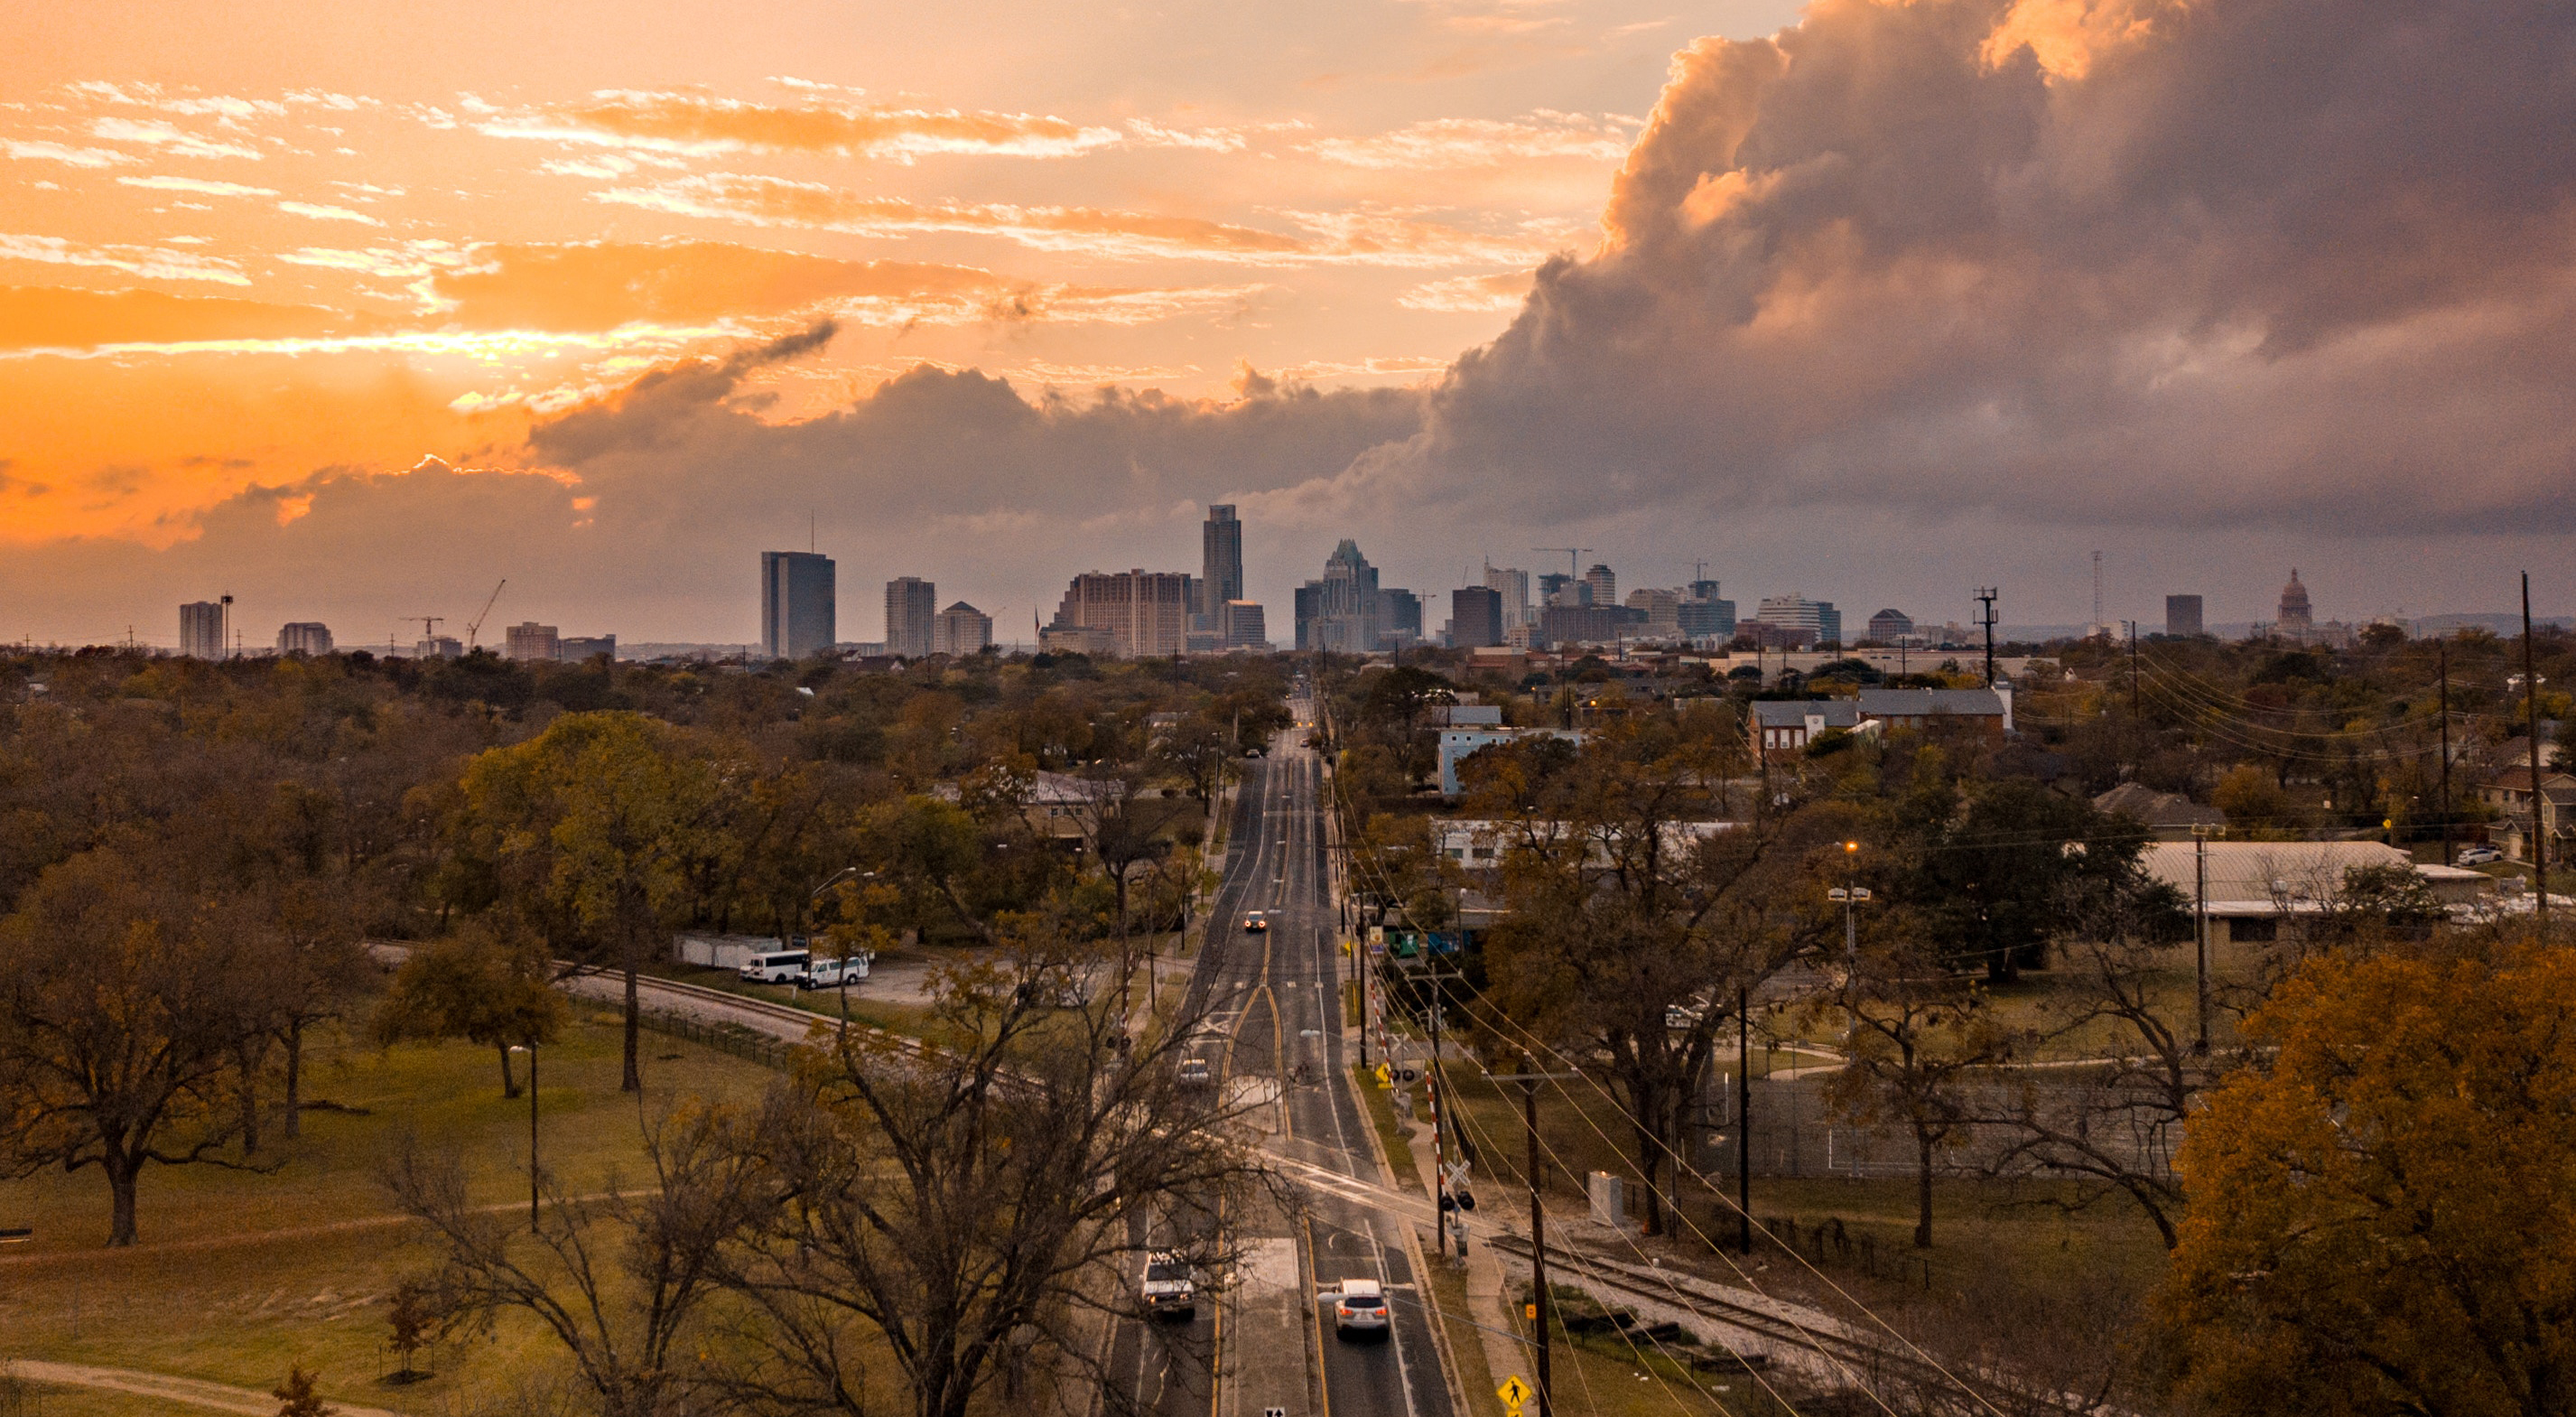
x=1985, y=598
x=2531, y=715
x=2443, y=651
x=1743, y=1118
x=2200, y=921
x=1529, y=1079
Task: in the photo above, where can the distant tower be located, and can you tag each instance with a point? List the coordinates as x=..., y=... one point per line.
x=912, y=616
x=201, y=630
x=2182, y=615
x=798, y=604
x=1605, y=586
x=2297, y=620
x=1221, y=562
x=2098, y=628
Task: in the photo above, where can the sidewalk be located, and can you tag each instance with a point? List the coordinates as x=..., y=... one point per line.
x=1487, y=1307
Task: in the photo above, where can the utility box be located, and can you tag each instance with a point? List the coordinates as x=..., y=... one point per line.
x=1609, y=1195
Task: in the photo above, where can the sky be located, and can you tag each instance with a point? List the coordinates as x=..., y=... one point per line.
x=354, y=310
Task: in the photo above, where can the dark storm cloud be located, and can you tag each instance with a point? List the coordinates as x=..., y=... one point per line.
x=2284, y=261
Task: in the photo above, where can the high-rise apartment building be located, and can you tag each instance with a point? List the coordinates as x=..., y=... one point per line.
x=438, y=647
x=799, y=604
x=961, y=630
x=201, y=629
x=912, y=617
x=304, y=637
x=2182, y=615
x=1605, y=586
x=1475, y=616
x=1340, y=612
x=530, y=641
x=1220, y=563
x=1146, y=614
x=1513, y=586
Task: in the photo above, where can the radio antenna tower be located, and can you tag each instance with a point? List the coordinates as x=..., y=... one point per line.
x=1985, y=598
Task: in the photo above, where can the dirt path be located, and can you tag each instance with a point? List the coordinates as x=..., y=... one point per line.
x=195, y=1392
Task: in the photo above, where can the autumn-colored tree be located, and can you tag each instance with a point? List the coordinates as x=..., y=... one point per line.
x=1636, y=922
x=2252, y=798
x=115, y=1047
x=484, y=984
x=2382, y=1220
x=589, y=828
x=297, y=1398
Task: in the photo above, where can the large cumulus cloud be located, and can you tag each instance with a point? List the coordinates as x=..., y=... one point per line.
x=2296, y=262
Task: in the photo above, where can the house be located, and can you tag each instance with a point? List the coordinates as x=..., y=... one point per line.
x=1785, y=726
x=2170, y=815
x=2260, y=892
x=1479, y=843
x=1456, y=744
x=2509, y=793
x=1986, y=711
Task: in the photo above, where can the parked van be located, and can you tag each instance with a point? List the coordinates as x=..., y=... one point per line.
x=827, y=972
x=776, y=966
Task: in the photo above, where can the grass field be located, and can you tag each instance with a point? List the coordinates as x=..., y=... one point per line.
x=240, y=1274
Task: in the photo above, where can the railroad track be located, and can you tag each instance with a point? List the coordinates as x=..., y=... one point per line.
x=1859, y=1360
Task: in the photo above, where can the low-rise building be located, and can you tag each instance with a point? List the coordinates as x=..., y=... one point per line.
x=1457, y=744
x=1988, y=711
x=2169, y=815
x=1785, y=726
x=580, y=649
x=2261, y=893
x=2509, y=793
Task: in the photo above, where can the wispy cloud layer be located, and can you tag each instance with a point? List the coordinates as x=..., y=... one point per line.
x=699, y=125
x=1348, y=237
x=150, y=262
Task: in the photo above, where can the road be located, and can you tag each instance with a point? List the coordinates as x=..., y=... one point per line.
x=1277, y=995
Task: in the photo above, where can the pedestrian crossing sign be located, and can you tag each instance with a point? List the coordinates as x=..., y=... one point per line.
x=1514, y=1392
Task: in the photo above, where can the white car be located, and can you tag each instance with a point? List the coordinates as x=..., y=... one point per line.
x=1359, y=1306
x=1170, y=1287
x=832, y=972
x=2479, y=856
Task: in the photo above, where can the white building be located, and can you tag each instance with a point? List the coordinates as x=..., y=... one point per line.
x=961, y=630
x=529, y=641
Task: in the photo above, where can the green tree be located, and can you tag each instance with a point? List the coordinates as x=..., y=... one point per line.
x=483, y=985
x=589, y=828
x=2380, y=1218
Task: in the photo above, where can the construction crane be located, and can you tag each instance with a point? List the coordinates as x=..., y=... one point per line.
x=474, y=626
x=428, y=624
x=1573, y=558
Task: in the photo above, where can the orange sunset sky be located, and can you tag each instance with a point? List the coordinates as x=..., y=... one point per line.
x=353, y=309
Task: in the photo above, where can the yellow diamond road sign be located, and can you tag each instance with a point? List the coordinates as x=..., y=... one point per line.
x=1514, y=1392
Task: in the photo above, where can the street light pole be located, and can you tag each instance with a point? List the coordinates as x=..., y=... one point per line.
x=530, y=1048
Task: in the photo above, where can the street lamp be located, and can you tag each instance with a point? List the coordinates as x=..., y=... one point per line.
x=530, y=1048
x=1850, y=898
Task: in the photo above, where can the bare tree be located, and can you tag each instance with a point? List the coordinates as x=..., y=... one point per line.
x=970, y=1202
x=621, y=1279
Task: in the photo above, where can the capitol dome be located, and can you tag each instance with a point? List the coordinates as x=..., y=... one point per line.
x=2295, y=611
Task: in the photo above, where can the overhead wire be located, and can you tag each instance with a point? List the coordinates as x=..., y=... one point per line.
x=1682, y=1165
x=1744, y=1276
